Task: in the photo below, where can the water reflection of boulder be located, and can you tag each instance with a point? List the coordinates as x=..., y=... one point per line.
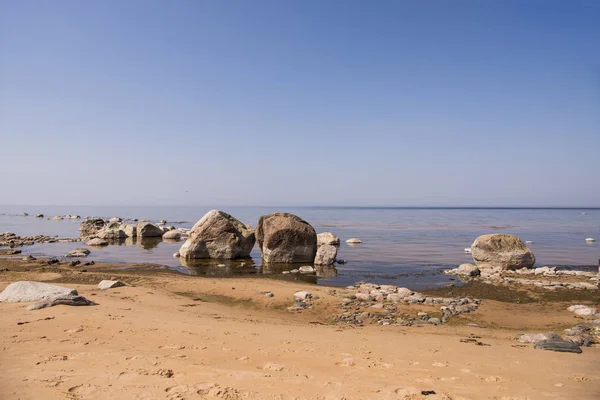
x=219, y=268
x=149, y=243
x=130, y=241
x=326, y=271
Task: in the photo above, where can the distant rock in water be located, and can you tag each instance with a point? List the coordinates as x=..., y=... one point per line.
x=90, y=227
x=39, y=215
x=501, y=251
x=218, y=235
x=80, y=252
x=97, y=242
x=286, y=238
x=353, y=241
x=327, y=238
x=146, y=229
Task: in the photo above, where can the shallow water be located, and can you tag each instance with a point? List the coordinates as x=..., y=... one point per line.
x=401, y=246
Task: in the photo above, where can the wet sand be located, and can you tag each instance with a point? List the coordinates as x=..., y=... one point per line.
x=172, y=336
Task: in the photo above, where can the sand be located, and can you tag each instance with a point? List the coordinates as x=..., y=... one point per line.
x=179, y=337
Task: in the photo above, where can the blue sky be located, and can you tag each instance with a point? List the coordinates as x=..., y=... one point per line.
x=407, y=103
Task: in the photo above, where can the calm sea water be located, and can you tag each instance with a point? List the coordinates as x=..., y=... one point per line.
x=401, y=246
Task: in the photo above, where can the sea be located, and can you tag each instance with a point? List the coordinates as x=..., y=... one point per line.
x=401, y=246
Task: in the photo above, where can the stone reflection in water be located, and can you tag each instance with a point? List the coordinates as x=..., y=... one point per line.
x=276, y=270
x=149, y=243
x=219, y=268
x=130, y=241
x=326, y=271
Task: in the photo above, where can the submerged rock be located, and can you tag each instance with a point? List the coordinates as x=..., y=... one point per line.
x=218, y=235
x=286, y=238
x=503, y=251
x=97, y=242
x=353, y=241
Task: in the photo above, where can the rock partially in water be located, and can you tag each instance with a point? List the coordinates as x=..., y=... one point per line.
x=172, y=235
x=565, y=346
x=90, y=227
x=146, y=229
x=218, y=235
x=286, y=238
x=503, y=251
x=97, y=242
x=79, y=252
x=354, y=241
x=326, y=255
x=327, y=238
x=468, y=270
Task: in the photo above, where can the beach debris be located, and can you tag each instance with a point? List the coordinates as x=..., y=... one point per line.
x=536, y=337
x=79, y=252
x=303, y=295
x=110, y=284
x=565, y=346
x=501, y=251
x=326, y=255
x=327, y=238
x=354, y=241
x=66, y=299
x=582, y=310
x=97, y=242
x=590, y=240
x=218, y=235
x=286, y=238
x=24, y=291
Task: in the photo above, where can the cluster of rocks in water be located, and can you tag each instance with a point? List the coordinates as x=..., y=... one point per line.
x=10, y=239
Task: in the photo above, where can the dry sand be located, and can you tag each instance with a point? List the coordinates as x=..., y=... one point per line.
x=180, y=337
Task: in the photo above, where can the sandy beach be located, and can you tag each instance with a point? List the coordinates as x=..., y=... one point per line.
x=170, y=336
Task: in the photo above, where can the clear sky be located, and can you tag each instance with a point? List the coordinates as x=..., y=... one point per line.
x=281, y=102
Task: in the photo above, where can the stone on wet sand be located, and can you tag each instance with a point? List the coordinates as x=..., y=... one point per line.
x=583, y=311
x=97, y=242
x=302, y=295
x=327, y=238
x=66, y=299
x=79, y=252
x=218, y=235
x=536, y=337
x=565, y=346
x=286, y=238
x=24, y=291
x=110, y=284
x=326, y=255
x=503, y=251
x=146, y=229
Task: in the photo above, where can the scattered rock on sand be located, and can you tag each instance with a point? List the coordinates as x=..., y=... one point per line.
x=503, y=251
x=80, y=252
x=146, y=229
x=582, y=311
x=32, y=291
x=303, y=295
x=536, y=337
x=286, y=238
x=565, y=346
x=326, y=255
x=97, y=242
x=218, y=235
x=65, y=299
x=110, y=284
x=353, y=241
x=327, y=238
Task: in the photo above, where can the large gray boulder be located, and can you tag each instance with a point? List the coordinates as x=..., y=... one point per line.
x=501, y=251
x=90, y=227
x=326, y=255
x=327, y=238
x=33, y=291
x=286, y=238
x=146, y=229
x=218, y=235
x=111, y=231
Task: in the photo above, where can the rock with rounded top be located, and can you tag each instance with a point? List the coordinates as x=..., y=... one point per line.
x=97, y=242
x=302, y=295
x=536, y=337
x=91, y=226
x=57, y=218
x=172, y=235
x=286, y=238
x=112, y=231
x=468, y=270
x=218, y=235
x=503, y=251
x=582, y=310
x=327, y=238
x=129, y=229
x=326, y=255
x=32, y=291
x=110, y=284
x=146, y=229
x=39, y=215
x=80, y=252
x=353, y=241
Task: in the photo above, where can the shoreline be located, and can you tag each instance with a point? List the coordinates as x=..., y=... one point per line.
x=214, y=338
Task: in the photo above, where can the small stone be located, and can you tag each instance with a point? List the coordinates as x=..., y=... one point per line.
x=353, y=241
x=303, y=295
x=434, y=321
x=306, y=269
x=269, y=294
x=110, y=284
